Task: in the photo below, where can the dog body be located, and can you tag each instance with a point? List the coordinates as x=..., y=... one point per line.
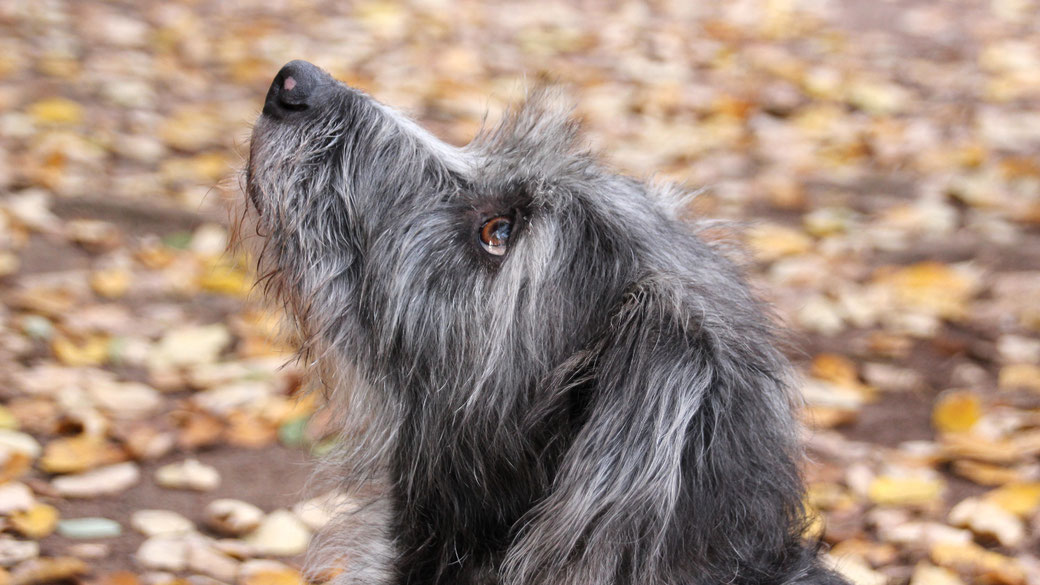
x=545, y=376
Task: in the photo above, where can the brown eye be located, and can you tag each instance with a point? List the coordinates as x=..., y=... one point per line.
x=494, y=234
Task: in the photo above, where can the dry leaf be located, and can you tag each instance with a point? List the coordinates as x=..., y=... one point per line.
x=956, y=411
x=36, y=522
x=905, y=491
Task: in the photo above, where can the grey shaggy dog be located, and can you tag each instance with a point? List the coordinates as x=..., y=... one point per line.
x=544, y=376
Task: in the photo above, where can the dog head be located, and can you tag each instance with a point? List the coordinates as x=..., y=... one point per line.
x=507, y=255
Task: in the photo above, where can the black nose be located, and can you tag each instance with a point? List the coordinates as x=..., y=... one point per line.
x=297, y=87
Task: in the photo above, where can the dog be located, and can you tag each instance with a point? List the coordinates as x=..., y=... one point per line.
x=545, y=376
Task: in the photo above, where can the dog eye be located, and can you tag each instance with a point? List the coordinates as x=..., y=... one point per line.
x=494, y=234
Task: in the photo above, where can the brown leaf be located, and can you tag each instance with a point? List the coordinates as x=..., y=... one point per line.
x=45, y=570
x=118, y=578
x=88, y=350
x=247, y=430
x=979, y=562
x=79, y=453
x=13, y=464
x=985, y=473
x=197, y=429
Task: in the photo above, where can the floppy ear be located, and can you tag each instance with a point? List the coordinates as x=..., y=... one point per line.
x=683, y=462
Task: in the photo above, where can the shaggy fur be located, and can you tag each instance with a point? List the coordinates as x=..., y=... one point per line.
x=603, y=404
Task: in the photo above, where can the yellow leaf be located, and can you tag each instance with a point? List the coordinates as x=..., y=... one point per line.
x=771, y=242
x=930, y=287
x=204, y=169
x=191, y=129
x=7, y=418
x=111, y=283
x=210, y=166
x=56, y=111
x=91, y=351
x=816, y=526
x=840, y=371
x=1022, y=499
x=956, y=412
x=834, y=368
x=73, y=454
x=225, y=278
x=904, y=491
x=828, y=496
x=36, y=522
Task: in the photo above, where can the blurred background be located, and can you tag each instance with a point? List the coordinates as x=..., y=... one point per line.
x=882, y=155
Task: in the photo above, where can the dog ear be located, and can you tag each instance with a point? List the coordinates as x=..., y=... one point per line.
x=685, y=459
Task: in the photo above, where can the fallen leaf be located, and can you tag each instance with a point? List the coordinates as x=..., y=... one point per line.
x=224, y=278
x=1022, y=499
x=111, y=283
x=48, y=570
x=927, y=574
x=36, y=522
x=196, y=429
x=89, y=350
x=979, y=562
x=77, y=454
x=265, y=572
x=57, y=111
x=13, y=464
x=956, y=411
x=931, y=287
x=118, y=578
x=905, y=491
x=988, y=519
x=769, y=242
x=985, y=473
x=247, y=430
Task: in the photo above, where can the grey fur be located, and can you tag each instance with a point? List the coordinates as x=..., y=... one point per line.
x=603, y=404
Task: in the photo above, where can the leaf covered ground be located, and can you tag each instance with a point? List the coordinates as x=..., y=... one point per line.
x=883, y=157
